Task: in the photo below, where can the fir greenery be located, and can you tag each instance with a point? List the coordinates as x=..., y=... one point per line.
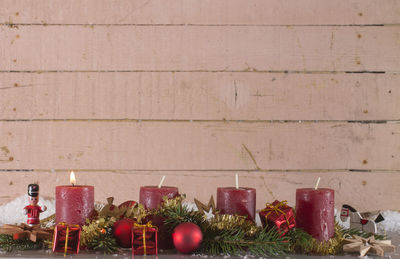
x=236, y=241
x=104, y=241
x=178, y=214
x=8, y=244
x=348, y=233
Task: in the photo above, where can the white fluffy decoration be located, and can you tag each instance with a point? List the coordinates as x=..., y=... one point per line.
x=13, y=212
x=391, y=222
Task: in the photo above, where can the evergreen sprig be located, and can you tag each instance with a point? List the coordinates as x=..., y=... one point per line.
x=348, y=233
x=176, y=215
x=104, y=242
x=227, y=242
x=8, y=244
x=269, y=242
x=236, y=241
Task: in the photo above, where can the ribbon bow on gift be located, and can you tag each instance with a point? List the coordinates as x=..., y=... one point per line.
x=277, y=208
x=144, y=226
x=33, y=233
x=365, y=245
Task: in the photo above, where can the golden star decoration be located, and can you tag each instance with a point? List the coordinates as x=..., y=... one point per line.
x=206, y=208
x=367, y=245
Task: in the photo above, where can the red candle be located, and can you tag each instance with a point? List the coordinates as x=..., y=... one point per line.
x=315, y=212
x=74, y=203
x=152, y=196
x=241, y=201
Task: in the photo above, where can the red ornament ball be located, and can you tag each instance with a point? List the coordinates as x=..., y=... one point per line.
x=187, y=237
x=122, y=231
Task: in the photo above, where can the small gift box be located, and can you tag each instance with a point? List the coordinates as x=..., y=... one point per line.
x=278, y=214
x=66, y=238
x=144, y=239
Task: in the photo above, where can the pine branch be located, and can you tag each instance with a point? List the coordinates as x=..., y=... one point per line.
x=348, y=233
x=176, y=215
x=8, y=244
x=269, y=242
x=104, y=242
x=236, y=241
x=227, y=242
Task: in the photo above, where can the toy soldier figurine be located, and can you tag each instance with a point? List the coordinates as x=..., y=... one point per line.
x=33, y=210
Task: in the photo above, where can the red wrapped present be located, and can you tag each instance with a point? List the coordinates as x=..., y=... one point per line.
x=278, y=214
x=144, y=239
x=66, y=238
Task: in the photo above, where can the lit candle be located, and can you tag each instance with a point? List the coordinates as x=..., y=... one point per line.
x=237, y=200
x=74, y=203
x=315, y=211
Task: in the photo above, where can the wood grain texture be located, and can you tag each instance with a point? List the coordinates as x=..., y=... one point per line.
x=198, y=145
x=351, y=187
x=221, y=12
x=201, y=48
x=199, y=96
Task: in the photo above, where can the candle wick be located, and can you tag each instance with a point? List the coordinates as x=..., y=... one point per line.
x=161, y=182
x=316, y=185
x=237, y=181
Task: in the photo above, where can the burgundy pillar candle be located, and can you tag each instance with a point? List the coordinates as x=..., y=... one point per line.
x=315, y=212
x=241, y=201
x=74, y=203
x=152, y=196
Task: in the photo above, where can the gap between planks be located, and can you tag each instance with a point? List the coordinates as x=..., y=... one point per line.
x=202, y=121
x=139, y=171
x=13, y=25
x=249, y=70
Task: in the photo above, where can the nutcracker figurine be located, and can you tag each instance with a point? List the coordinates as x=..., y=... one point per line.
x=33, y=210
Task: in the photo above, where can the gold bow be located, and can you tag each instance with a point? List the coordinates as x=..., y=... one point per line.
x=144, y=226
x=270, y=208
x=365, y=245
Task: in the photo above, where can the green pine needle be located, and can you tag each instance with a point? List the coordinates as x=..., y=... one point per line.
x=347, y=233
x=180, y=214
x=8, y=244
x=105, y=243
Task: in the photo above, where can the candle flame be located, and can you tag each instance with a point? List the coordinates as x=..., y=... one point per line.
x=72, y=179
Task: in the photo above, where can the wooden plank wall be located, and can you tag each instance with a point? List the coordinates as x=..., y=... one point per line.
x=124, y=92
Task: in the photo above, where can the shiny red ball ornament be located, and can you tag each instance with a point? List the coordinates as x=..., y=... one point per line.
x=187, y=237
x=122, y=231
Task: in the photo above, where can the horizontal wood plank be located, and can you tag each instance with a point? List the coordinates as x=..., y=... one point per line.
x=201, y=48
x=221, y=12
x=199, y=96
x=197, y=145
x=350, y=187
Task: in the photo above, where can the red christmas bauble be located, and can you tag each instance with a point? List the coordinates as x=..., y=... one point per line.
x=187, y=237
x=122, y=231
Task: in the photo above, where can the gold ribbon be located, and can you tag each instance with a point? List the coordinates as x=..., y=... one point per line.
x=66, y=241
x=66, y=235
x=270, y=208
x=148, y=225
